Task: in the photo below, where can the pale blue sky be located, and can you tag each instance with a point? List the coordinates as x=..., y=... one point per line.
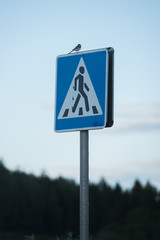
x=32, y=34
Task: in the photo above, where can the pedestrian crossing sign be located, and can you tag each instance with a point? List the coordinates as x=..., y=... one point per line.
x=81, y=90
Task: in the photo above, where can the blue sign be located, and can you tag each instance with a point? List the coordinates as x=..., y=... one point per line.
x=81, y=91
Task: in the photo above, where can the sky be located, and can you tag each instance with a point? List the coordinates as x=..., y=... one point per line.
x=32, y=34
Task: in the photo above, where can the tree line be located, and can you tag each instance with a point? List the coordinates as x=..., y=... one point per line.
x=40, y=205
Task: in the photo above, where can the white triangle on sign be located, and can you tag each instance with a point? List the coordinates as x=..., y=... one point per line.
x=81, y=99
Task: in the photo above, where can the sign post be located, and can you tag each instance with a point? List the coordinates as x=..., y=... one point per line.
x=84, y=101
x=84, y=185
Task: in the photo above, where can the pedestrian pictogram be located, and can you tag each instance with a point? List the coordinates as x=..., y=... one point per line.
x=81, y=99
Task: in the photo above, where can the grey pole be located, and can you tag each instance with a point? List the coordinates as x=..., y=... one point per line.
x=84, y=185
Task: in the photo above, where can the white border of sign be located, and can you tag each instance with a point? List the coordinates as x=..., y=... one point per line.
x=106, y=92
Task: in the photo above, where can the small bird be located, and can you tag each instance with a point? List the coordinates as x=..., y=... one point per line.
x=77, y=48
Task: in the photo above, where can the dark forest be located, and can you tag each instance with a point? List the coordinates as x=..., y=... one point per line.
x=50, y=207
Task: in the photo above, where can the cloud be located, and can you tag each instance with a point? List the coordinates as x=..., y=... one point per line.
x=137, y=117
x=127, y=173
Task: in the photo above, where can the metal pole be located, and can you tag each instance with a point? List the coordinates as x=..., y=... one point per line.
x=84, y=185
